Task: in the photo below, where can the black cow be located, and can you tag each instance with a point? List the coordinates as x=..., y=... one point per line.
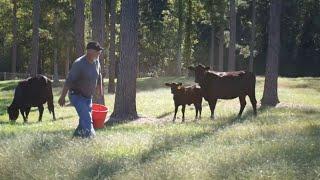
x=32, y=92
x=186, y=95
x=226, y=85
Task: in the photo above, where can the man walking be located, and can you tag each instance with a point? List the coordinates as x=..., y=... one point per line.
x=83, y=79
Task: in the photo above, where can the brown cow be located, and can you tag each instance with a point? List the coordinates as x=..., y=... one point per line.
x=226, y=85
x=186, y=95
x=32, y=92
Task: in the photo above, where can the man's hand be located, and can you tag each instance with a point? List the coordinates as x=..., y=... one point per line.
x=62, y=101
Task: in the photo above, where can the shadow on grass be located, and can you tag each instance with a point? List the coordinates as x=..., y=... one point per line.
x=300, y=154
x=45, y=142
x=179, y=111
x=163, y=144
x=169, y=143
x=103, y=169
x=306, y=83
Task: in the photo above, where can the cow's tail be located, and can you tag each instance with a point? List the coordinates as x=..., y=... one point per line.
x=50, y=98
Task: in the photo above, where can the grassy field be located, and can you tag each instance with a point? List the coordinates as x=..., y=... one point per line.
x=281, y=143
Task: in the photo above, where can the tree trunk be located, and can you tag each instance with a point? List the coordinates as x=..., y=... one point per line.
x=106, y=39
x=55, y=66
x=233, y=30
x=253, y=35
x=270, y=93
x=79, y=27
x=180, y=36
x=187, y=41
x=221, y=47
x=112, y=55
x=67, y=63
x=125, y=100
x=98, y=30
x=33, y=66
x=15, y=33
x=211, y=51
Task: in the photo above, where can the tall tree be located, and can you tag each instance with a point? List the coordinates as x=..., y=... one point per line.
x=270, y=93
x=233, y=30
x=253, y=35
x=55, y=49
x=33, y=66
x=125, y=100
x=180, y=36
x=221, y=48
x=15, y=33
x=67, y=62
x=187, y=41
x=79, y=27
x=98, y=34
x=112, y=50
x=211, y=49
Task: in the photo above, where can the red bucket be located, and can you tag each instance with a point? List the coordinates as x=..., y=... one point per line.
x=99, y=114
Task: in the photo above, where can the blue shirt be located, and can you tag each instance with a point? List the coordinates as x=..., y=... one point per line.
x=84, y=76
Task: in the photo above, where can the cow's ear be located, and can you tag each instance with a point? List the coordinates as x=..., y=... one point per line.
x=168, y=84
x=180, y=84
x=191, y=68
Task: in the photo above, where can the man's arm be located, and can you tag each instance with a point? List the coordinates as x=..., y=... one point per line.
x=99, y=85
x=64, y=92
x=72, y=77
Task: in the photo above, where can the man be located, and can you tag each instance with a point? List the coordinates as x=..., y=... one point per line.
x=83, y=79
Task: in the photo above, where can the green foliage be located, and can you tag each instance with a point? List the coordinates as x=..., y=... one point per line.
x=158, y=33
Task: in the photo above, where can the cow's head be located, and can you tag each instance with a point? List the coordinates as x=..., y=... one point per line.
x=199, y=72
x=13, y=112
x=175, y=87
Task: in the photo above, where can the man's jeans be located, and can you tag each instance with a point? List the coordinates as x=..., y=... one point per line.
x=83, y=106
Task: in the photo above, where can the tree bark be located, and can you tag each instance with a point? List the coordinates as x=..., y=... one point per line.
x=15, y=33
x=112, y=55
x=79, y=27
x=55, y=66
x=125, y=100
x=221, y=47
x=33, y=66
x=98, y=30
x=270, y=93
x=180, y=36
x=67, y=62
x=233, y=30
x=253, y=35
x=211, y=51
x=188, y=45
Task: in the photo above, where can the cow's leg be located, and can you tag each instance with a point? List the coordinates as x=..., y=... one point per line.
x=23, y=115
x=197, y=109
x=242, y=104
x=254, y=103
x=183, y=110
x=175, y=112
x=27, y=111
x=212, y=105
x=200, y=109
x=40, y=112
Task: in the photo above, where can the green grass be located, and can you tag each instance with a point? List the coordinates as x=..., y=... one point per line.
x=281, y=143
